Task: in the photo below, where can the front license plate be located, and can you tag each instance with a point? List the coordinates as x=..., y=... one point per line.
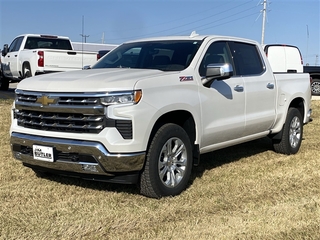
x=43, y=153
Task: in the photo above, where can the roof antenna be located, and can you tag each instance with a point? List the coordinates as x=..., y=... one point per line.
x=194, y=34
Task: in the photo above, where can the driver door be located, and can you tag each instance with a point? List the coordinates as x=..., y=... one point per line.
x=223, y=103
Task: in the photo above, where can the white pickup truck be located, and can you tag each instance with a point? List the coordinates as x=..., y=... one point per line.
x=33, y=54
x=146, y=111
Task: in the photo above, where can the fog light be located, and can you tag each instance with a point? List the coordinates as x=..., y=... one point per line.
x=89, y=168
x=17, y=155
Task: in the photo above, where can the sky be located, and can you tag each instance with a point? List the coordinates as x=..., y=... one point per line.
x=294, y=22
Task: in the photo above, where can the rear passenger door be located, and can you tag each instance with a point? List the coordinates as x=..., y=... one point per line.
x=259, y=87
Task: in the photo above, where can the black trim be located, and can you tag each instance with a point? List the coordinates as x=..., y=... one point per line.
x=123, y=178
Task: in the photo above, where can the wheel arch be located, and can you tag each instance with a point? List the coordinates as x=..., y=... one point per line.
x=185, y=120
x=315, y=75
x=24, y=65
x=298, y=103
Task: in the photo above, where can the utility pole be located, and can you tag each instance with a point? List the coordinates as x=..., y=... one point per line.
x=102, y=39
x=307, y=45
x=263, y=20
x=83, y=35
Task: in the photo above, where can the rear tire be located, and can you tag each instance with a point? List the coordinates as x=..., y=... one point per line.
x=26, y=71
x=315, y=87
x=292, y=133
x=168, y=163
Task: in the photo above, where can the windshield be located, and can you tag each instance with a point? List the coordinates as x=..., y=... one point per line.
x=161, y=55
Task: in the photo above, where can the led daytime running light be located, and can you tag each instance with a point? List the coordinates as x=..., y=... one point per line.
x=122, y=98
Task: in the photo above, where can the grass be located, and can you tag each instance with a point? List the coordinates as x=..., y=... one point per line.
x=242, y=192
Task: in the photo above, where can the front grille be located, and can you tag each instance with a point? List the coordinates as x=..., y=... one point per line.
x=64, y=122
x=63, y=99
x=67, y=112
x=78, y=101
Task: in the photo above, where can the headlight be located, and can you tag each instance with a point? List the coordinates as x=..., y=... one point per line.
x=122, y=97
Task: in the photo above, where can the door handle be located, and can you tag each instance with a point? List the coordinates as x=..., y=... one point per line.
x=238, y=88
x=270, y=85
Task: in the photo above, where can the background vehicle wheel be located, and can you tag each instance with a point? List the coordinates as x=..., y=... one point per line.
x=4, y=83
x=291, y=134
x=26, y=71
x=168, y=163
x=315, y=87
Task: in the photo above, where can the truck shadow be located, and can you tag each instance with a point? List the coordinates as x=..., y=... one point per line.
x=208, y=161
x=231, y=154
x=9, y=94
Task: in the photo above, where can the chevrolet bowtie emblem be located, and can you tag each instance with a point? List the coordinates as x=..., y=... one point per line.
x=45, y=100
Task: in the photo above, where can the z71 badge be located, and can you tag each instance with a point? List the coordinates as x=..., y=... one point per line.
x=186, y=78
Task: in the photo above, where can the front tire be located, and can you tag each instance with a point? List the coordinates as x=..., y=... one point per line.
x=168, y=163
x=4, y=83
x=292, y=133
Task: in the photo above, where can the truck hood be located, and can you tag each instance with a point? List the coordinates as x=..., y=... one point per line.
x=92, y=80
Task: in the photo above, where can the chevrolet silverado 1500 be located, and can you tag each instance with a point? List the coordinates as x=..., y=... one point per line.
x=33, y=54
x=146, y=111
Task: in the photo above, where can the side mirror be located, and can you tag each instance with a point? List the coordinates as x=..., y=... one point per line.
x=217, y=71
x=5, y=49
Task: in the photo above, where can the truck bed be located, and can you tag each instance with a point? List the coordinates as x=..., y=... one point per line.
x=61, y=60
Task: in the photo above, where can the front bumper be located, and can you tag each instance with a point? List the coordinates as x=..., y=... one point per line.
x=76, y=156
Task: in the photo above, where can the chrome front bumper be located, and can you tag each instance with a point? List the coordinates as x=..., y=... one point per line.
x=76, y=156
